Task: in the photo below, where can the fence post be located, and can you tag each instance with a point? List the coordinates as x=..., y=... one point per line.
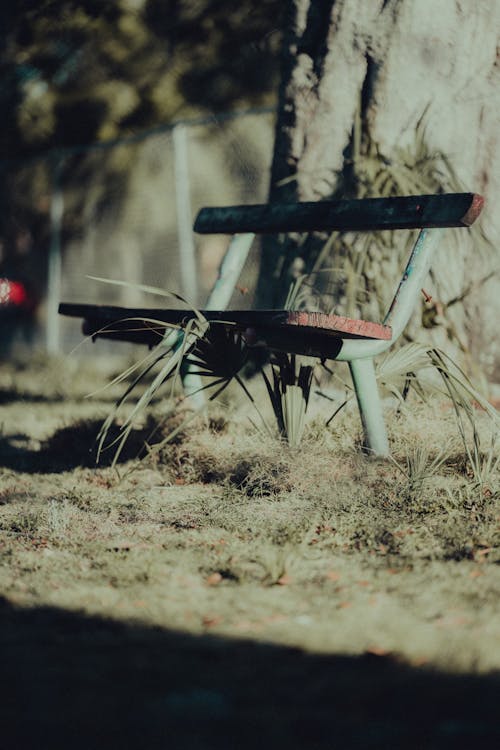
x=54, y=260
x=187, y=257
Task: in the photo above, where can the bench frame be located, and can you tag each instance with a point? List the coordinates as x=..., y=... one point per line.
x=437, y=212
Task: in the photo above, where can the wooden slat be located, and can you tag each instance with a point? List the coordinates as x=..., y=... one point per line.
x=301, y=332
x=338, y=324
x=410, y=212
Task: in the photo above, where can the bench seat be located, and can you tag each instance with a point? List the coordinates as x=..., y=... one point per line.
x=299, y=332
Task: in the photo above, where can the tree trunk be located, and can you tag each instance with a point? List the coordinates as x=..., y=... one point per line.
x=379, y=98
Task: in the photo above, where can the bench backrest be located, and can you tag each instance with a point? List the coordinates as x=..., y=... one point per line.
x=369, y=214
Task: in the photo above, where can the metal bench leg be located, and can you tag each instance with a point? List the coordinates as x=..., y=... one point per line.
x=370, y=406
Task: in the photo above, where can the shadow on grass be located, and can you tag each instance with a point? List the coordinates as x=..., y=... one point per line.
x=10, y=396
x=69, y=448
x=73, y=681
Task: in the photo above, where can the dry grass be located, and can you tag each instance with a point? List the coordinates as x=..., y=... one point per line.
x=228, y=532
x=224, y=513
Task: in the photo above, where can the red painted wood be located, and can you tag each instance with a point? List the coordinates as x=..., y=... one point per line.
x=338, y=324
x=474, y=210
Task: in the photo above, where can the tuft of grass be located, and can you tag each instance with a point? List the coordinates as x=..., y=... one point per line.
x=465, y=400
x=432, y=371
x=419, y=468
x=26, y=524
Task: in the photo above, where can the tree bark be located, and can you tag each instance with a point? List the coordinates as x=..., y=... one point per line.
x=371, y=84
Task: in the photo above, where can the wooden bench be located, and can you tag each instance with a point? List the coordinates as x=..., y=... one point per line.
x=310, y=333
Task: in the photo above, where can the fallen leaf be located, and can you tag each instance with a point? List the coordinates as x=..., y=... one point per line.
x=210, y=620
x=484, y=551
x=284, y=580
x=475, y=573
x=213, y=579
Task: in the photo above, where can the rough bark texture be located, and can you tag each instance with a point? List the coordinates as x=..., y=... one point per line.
x=387, y=66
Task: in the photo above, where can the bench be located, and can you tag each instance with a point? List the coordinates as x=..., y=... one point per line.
x=334, y=337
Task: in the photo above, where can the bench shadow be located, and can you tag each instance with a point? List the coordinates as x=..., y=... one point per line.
x=10, y=395
x=76, y=681
x=69, y=448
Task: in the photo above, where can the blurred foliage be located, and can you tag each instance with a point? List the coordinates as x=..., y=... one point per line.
x=79, y=71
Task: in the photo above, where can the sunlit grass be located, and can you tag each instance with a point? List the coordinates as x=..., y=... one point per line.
x=229, y=530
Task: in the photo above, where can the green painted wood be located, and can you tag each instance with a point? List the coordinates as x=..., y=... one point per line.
x=410, y=212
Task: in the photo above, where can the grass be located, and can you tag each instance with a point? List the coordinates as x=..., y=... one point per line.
x=228, y=533
x=225, y=499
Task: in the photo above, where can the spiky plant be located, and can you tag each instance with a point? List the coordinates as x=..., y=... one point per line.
x=210, y=351
x=418, y=469
x=483, y=462
x=397, y=370
x=163, y=363
x=219, y=355
x=289, y=393
x=415, y=366
x=167, y=361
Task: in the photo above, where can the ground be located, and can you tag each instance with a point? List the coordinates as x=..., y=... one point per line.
x=230, y=592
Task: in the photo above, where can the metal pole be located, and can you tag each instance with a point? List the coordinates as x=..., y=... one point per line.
x=54, y=261
x=370, y=406
x=184, y=216
x=229, y=271
x=360, y=354
x=404, y=301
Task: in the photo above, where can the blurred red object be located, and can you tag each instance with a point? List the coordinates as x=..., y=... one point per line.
x=13, y=294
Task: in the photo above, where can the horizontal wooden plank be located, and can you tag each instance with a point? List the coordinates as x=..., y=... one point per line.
x=312, y=333
x=409, y=212
x=339, y=325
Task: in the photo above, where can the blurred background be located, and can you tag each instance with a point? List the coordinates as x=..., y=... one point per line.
x=124, y=117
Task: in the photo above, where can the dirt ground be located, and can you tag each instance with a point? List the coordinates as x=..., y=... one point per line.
x=231, y=592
